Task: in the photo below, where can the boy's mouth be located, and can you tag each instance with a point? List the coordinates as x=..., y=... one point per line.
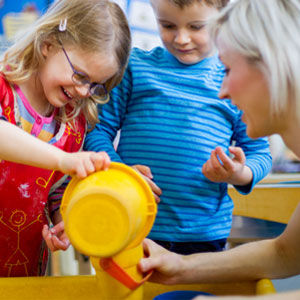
x=184, y=50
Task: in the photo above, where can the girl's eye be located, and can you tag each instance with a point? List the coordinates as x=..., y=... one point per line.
x=227, y=70
x=167, y=26
x=80, y=77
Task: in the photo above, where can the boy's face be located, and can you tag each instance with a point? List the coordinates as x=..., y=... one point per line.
x=183, y=31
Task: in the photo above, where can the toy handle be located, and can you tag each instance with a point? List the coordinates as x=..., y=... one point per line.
x=117, y=272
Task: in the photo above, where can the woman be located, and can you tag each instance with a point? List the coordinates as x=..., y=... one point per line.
x=259, y=43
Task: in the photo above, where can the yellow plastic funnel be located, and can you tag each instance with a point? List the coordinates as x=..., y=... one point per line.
x=108, y=211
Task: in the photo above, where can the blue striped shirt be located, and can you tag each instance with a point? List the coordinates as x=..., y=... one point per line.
x=171, y=119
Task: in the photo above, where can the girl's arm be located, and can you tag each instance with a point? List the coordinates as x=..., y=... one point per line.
x=20, y=147
x=55, y=237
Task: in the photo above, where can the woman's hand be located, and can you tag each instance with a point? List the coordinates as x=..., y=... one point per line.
x=165, y=264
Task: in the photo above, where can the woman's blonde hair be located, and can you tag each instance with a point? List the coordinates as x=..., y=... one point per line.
x=267, y=34
x=92, y=25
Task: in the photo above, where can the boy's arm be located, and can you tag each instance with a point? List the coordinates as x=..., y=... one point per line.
x=247, y=162
x=111, y=117
x=221, y=167
x=257, y=153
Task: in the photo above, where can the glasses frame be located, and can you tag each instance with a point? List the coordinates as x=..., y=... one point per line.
x=85, y=79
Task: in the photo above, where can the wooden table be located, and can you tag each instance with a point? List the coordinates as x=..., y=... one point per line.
x=274, y=199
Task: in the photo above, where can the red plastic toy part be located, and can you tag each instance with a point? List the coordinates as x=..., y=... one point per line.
x=114, y=270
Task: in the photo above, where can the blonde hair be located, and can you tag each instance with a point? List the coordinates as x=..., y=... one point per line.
x=94, y=25
x=212, y=3
x=267, y=34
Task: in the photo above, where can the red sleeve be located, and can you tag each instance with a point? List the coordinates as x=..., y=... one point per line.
x=6, y=96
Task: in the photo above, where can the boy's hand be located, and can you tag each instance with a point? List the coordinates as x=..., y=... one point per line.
x=221, y=168
x=83, y=163
x=147, y=175
x=55, y=237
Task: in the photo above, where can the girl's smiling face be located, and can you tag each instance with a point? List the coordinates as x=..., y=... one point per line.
x=55, y=75
x=247, y=87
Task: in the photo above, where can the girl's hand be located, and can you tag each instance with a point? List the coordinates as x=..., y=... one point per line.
x=83, y=163
x=55, y=237
x=221, y=168
x=147, y=175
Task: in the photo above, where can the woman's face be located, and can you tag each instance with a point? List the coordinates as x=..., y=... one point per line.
x=247, y=88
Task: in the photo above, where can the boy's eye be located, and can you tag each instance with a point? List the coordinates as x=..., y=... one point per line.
x=227, y=70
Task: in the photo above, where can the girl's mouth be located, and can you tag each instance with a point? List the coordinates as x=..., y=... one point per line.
x=67, y=94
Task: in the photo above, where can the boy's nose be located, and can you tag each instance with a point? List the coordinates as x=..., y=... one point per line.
x=182, y=37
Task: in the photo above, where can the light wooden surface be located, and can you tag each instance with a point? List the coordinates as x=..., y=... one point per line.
x=281, y=178
x=260, y=287
x=87, y=288
x=274, y=199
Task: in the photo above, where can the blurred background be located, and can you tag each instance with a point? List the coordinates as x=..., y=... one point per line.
x=16, y=15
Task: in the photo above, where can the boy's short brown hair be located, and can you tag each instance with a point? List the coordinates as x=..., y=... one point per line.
x=213, y=3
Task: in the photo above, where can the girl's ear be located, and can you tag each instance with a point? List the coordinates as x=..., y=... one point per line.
x=46, y=48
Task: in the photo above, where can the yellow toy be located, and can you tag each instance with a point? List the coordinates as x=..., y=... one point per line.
x=107, y=215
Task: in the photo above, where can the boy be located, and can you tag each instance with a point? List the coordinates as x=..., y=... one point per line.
x=172, y=122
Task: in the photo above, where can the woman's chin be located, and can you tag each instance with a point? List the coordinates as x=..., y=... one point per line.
x=253, y=134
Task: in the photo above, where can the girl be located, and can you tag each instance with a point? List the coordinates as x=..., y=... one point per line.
x=52, y=79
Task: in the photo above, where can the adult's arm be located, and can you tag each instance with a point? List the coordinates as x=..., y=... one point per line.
x=274, y=258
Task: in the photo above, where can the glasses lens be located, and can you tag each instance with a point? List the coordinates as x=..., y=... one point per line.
x=80, y=79
x=98, y=90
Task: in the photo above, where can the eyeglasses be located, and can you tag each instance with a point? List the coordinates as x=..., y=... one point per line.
x=97, y=90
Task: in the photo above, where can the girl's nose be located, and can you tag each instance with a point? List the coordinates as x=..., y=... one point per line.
x=83, y=90
x=182, y=37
